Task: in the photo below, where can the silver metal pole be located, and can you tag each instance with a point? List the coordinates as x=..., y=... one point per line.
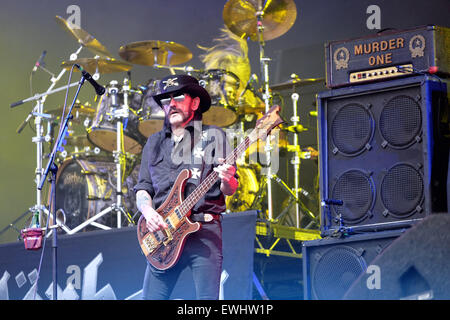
x=267, y=97
x=296, y=159
x=39, y=138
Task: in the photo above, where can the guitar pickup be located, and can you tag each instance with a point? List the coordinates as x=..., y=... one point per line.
x=168, y=238
x=149, y=243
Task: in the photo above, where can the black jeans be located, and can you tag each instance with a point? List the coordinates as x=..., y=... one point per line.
x=202, y=253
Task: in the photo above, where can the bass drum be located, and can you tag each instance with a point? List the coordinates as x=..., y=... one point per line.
x=103, y=134
x=84, y=187
x=151, y=115
x=245, y=195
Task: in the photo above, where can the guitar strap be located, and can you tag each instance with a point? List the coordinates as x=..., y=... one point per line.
x=197, y=157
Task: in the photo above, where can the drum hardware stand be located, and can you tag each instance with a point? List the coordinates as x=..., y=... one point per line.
x=156, y=65
x=37, y=112
x=294, y=195
x=187, y=69
x=267, y=97
x=296, y=159
x=119, y=158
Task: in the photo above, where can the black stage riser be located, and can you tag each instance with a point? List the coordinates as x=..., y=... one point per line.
x=109, y=265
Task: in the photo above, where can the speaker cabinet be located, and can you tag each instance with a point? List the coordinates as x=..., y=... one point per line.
x=331, y=266
x=384, y=153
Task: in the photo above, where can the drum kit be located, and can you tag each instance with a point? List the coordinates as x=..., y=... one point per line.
x=98, y=166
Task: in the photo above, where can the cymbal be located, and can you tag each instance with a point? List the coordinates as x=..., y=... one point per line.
x=101, y=65
x=297, y=82
x=249, y=109
x=278, y=17
x=78, y=109
x=83, y=38
x=152, y=52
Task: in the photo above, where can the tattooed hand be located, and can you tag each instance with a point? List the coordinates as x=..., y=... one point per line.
x=154, y=220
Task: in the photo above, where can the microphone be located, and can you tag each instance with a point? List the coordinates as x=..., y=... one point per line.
x=98, y=88
x=253, y=77
x=40, y=61
x=332, y=202
x=24, y=123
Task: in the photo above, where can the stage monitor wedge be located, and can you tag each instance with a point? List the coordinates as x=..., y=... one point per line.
x=332, y=265
x=413, y=267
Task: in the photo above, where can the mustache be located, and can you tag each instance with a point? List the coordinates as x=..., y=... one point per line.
x=174, y=109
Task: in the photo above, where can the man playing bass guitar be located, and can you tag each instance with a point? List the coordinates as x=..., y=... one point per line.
x=184, y=143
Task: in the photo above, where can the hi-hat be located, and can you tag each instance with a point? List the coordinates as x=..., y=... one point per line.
x=295, y=83
x=278, y=16
x=157, y=52
x=83, y=38
x=100, y=65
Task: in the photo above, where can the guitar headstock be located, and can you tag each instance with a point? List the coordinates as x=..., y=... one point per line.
x=267, y=123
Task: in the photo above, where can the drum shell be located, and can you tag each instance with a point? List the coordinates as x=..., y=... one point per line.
x=103, y=132
x=151, y=115
x=86, y=186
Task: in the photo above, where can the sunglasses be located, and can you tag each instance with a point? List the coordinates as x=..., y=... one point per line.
x=177, y=99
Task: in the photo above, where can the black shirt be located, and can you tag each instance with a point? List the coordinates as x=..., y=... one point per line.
x=163, y=159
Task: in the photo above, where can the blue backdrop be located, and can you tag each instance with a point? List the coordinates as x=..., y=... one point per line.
x=109, y=265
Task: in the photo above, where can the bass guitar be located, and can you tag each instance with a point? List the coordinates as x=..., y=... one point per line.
x=163, y=247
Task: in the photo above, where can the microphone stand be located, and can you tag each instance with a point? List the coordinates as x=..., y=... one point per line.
x=37, y=112
x=342, y=229
x=53, y=168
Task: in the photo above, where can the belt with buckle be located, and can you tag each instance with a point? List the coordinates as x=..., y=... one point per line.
x=205, y=217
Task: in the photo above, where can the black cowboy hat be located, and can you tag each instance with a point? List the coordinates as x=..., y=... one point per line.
x=178, y=84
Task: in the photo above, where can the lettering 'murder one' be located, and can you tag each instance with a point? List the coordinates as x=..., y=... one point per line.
x=376, y=46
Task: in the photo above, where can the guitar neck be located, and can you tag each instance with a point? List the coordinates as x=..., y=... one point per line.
x=209, y=181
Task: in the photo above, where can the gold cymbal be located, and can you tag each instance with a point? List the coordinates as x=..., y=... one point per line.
x=100, y=65
x=240, y=16
x=83, y=38
x=153, y=52
x=297, y=82
x=78, y=108
x=249, y=109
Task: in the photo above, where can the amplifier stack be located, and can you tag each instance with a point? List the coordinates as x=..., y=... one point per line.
x=384, y=137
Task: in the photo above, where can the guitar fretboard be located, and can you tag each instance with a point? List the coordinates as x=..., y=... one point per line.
x=209, y=181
